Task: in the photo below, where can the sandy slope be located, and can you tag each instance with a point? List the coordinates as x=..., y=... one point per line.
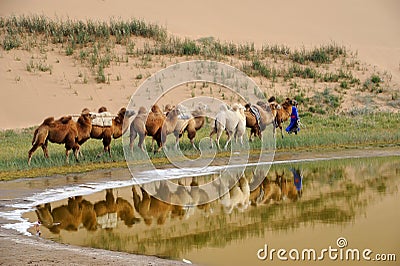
x=370, y=27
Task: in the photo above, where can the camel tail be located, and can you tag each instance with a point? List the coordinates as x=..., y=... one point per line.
x=35, y=136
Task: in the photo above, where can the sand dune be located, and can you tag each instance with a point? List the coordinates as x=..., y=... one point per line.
x=369, y=27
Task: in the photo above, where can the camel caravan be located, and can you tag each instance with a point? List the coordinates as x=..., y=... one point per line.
x=158, y=124
x=181, y=203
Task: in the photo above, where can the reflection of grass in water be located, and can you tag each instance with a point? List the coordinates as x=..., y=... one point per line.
x=346, y=199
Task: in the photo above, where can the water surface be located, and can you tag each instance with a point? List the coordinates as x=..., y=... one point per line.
x=356, y=199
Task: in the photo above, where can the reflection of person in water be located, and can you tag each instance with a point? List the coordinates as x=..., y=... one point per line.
x=294, y=120
x=298, y=181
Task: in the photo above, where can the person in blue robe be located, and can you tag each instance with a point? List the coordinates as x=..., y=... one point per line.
x=294, y=119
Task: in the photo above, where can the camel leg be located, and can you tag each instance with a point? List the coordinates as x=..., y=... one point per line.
x=211, y=134
x=176, y=141
x=77, y=150
x=192, y=142
x=132, y=138
x=219, y=133
x=31, y=151
x=228, y=140
x=136, y=199
x=141, y=141
x=44, y=148
x=106, y=145
x=67, y=156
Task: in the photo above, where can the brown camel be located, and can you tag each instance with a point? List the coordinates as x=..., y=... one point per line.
x=257, y=194
x=192, y=125
x=267, y=116
x=289, y=190
x=138, y=127
x=283, y=113
x=67, y=217
x=150, y=207
x=119, y=126
x=62, y=131
x=160, y=126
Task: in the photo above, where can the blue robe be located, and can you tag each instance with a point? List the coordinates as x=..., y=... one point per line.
x=294, y=117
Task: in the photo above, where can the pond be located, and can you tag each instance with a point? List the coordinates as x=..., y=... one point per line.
x=350, y=201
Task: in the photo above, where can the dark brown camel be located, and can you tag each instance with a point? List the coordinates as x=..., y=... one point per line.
x=115, y=131
x=62, y=131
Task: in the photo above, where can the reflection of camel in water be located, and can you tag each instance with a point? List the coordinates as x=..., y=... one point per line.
x=121, y=207
x=237, y=197
x=288, y=188
x=280, y=189
x=150, y=207
x=67, y=217
x=80, y=211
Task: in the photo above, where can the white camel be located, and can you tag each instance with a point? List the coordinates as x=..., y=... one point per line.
x=232, y=121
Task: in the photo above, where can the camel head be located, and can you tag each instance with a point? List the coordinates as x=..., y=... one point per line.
x=130, y=113
x=142, y=110
x=272, y=99
x=102, y=109
x=86, y=114
x=156, y=109
x=168, y=108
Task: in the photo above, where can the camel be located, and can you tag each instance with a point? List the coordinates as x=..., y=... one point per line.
x=118, y=127
x=111, y=208
x=200, y=197
x=138, y=127
x=160, y=131
x=267, y=113
x=67, y=217
x=89, y=218
x=257, y=194
x=191, y=125
x=288, y=189
x=150, y=207
x=237, y=197
x=62, y=131
x=272, y=192
x=231, y=121
x=156, y=124
x=283, y=114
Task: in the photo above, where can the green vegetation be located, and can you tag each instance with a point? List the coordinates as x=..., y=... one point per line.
x=330, y=132
x=319, y=79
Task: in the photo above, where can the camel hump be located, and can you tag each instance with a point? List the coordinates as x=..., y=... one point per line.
x=65, y=119
x=48, y=121
x=102, y=109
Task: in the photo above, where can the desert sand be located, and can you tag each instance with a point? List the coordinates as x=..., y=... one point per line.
x=369, y=28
